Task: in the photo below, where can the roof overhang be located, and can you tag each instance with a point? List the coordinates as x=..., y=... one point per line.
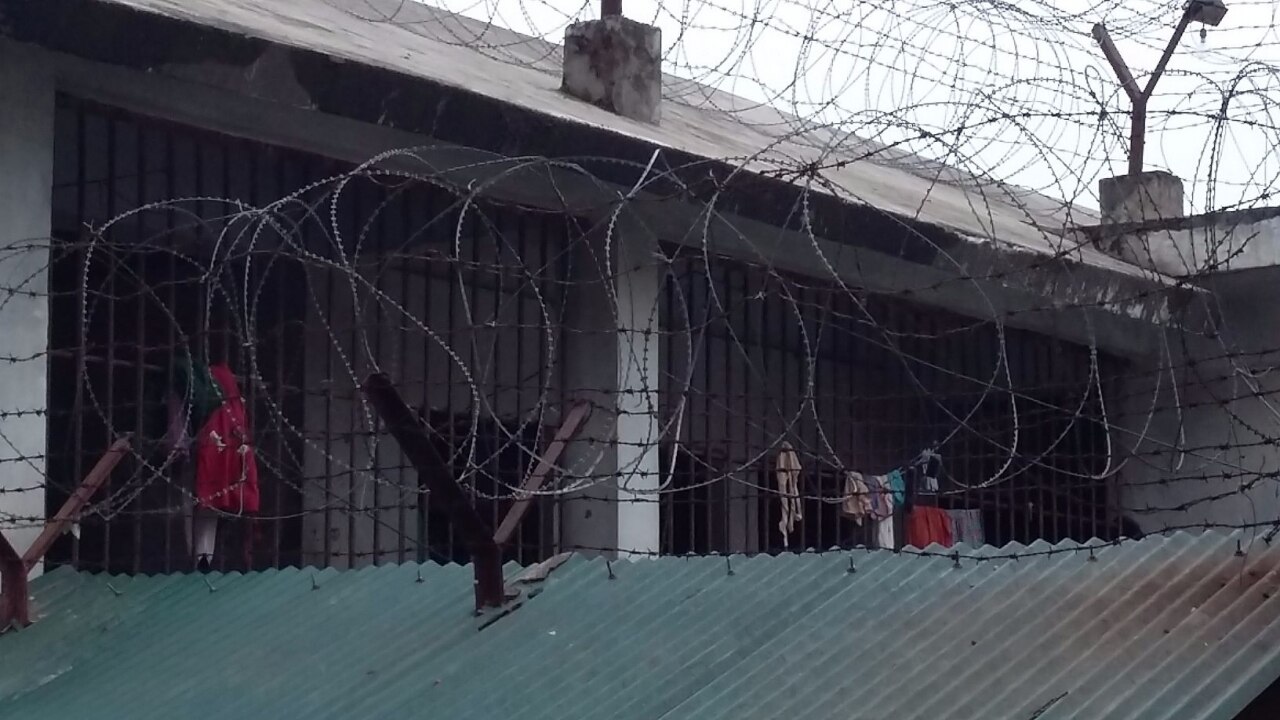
x=478, y=141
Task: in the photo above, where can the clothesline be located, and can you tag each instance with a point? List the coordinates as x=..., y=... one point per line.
x=879, y=499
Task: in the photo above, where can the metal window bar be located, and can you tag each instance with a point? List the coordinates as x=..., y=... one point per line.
x=883, y=418
x=147, y=308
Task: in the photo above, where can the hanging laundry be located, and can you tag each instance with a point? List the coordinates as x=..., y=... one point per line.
x=966, y=527
x=928, y=525
x=884, y=534
x=226, y=469
x=930, y=470
x=788, y=475
x=898, y=484
x=207, y=418
x=192, y=400
x=881, y=494
x=857, y=497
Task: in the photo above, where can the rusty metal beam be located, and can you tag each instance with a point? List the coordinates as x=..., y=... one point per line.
x=70, y=510
x=1112, y=53
x=1140, y=96
x=411, y=433
x=14, y=606
x=577, y=414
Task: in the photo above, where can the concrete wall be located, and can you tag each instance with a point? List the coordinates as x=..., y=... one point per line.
x=612, y=357
x=1240, y=240
x=1207, y=453
x=26, y=185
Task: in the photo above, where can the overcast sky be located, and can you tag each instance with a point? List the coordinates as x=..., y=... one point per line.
x=1013, y=90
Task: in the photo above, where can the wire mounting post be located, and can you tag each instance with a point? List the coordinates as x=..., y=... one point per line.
x=1209, y=12
x=411, y=433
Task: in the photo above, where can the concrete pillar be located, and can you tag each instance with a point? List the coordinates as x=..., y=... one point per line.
x=26, y=194
x=1137, y=200
x=615, y=63
x=611, y=359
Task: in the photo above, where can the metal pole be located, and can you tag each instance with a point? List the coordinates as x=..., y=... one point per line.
x=412, y=435
x=70, y=511
x=610, y=8
x=1139, y=97
x=14, y=608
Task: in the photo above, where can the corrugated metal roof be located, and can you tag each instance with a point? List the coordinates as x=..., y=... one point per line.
x=1166, y=627
x=420, y=41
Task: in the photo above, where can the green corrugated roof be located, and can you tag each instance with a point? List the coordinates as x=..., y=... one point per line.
x=1167, y=627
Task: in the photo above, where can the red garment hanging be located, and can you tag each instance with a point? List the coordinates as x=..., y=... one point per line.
x=226, y=469
x=928, y=525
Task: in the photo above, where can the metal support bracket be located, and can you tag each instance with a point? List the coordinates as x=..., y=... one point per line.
x=411, y=433
x=70, y=510
x=14, y=606
x=1139, y=96
x=568, y=428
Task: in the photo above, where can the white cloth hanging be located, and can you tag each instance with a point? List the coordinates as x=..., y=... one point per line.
x=883, y=512
x=884, y=534
x=788, y=475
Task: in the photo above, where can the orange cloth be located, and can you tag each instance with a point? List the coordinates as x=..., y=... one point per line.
x=928, y=525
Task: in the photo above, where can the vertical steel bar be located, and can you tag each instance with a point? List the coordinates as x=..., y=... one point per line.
x=786, y=319
x=430, y=226
x=110, y=284
x=274, y=279
x=712, y=297
x=1092, y=461
x=523, y=464
x=406, y=268
x=765, y=443
x=453, y=268
x=355, y=418
x=562, y=245
x=813, y=322
x=379, y=264
x=669, y=404
x=498, y=231
x=77, y=417
x=312, y=170
x=732, y=406
x=172, y=494
x=141, y=296
x=479, y=461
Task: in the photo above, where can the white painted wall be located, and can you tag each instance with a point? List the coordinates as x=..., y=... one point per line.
x=1239, y=241
x=612, y=359
x=26, y=185
x=1207, y=452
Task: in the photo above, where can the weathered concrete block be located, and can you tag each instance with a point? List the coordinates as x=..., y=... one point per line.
x=1132, y=204
x=615, y=63
x=1145, y=197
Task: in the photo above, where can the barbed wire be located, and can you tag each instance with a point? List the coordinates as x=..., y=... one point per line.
x=494, y=317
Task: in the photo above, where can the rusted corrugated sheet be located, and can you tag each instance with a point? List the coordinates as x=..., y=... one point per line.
x=1168, y=627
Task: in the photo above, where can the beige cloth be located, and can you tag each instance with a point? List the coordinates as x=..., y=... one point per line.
x=857, y=497
x=788, y=491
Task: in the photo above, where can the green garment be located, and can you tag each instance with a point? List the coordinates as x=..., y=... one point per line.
x=197, y=390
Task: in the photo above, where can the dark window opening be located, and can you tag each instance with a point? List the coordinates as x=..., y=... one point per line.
x=303, y=301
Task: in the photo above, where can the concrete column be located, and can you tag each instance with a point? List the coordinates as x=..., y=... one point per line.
x=612, y=360
x=26, y=194
x=615, y=63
